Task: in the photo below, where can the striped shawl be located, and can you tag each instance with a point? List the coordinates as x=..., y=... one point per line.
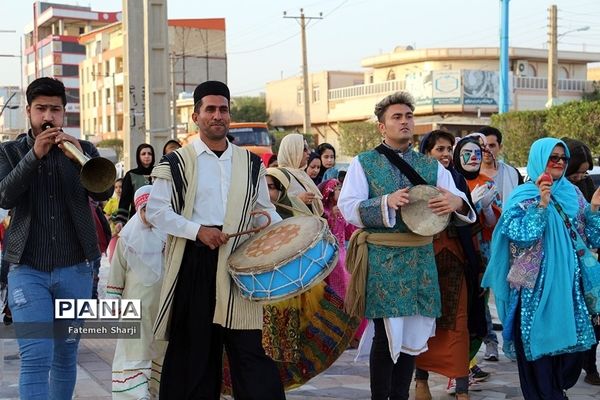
x=179, y=167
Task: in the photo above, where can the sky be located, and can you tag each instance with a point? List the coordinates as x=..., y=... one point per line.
x=262, y=46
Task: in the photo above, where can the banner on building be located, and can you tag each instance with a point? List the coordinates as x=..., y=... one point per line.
x=480, y=87
x=446, y=87
x=419, y=84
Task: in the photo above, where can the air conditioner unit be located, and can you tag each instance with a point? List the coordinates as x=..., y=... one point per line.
x=521, y=68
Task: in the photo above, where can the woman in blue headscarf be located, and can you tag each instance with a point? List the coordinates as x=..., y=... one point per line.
x=535, y=273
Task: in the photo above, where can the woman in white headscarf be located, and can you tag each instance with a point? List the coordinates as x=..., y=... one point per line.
x=293, y=156
x=136, y=272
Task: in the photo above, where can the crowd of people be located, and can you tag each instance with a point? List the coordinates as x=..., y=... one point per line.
x=411, y=304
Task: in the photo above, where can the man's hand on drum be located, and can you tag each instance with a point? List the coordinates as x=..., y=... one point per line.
x=446, y=203
x=212, y=237
x=398, y=199
x=306, y=197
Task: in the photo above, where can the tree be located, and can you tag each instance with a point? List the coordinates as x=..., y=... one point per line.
x=519, y=130
x=278, y=135
x=578, y=120
x=594, y=95
x=249, y=109
x=356, y=137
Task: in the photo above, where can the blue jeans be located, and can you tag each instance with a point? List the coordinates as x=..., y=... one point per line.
x=48, y=365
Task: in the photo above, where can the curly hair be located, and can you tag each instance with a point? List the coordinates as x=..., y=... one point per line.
x=395, y=98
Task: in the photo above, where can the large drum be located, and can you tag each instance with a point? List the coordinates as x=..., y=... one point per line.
x=285, y=259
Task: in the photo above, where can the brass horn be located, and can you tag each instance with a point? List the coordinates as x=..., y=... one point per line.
x=97, y=174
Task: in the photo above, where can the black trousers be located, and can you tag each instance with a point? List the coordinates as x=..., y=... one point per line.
x=192, y=368
x=388, y=380
x=548, y=377
x=589, y=357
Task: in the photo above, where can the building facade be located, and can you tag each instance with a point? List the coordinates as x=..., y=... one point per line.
x=52, y=49
x=197, y=49
x=454, y=88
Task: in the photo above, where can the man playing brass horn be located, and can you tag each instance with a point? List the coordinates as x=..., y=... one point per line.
x=394, y=278
x=51, y=242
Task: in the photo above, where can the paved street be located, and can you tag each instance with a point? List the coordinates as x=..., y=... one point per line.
x=343, y=380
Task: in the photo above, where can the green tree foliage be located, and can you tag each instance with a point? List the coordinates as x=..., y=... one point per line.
x=116, y=144
x=519, y=130
x=249, y=109
x=278, y=135
x=594, y=95
x=578, y=120
x=356, y=137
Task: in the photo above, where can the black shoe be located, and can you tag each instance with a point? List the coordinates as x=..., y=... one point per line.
x=592, y=379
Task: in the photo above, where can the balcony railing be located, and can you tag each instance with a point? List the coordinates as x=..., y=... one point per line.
x=519, y=82
x=566, y=85
x=366, y=90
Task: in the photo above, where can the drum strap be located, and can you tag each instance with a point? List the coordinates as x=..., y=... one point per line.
x=404, y=167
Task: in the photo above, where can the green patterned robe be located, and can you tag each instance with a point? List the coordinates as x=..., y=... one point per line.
x=401, y=281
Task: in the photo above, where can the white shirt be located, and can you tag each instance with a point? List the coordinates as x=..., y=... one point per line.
x=210, y=204
x=356, y=190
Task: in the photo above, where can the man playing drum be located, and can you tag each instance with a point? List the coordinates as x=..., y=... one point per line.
x=201, y=191
x=396, y=285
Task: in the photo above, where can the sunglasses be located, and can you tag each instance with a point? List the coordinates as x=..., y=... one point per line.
x=556, y=159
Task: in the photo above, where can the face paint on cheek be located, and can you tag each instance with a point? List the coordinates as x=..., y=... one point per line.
x=466, y=156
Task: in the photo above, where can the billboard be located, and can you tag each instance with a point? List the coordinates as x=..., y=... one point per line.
x=419, y=84
x=480, y=87
x=446, y=87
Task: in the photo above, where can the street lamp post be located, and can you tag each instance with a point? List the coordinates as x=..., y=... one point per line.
x=582, y=29
x=20, y=57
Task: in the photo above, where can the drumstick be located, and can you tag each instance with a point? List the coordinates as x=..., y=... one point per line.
x=258, y=229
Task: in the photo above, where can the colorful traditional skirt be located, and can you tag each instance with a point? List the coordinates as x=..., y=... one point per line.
x=304, y=335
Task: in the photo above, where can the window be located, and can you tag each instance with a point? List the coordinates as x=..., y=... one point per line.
x=299, y=96
x=107, y=68
x=72, y=119
x=316, y=93
x=119, y=64
x=81, y=30
x=108, y=98
x=70, y=70
x=94, y=100
x=391, y=75
x=74, y=48
x=73, y=95
x=108, y=124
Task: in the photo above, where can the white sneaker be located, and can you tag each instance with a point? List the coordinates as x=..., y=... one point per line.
x=451, y=387
x=491, y=352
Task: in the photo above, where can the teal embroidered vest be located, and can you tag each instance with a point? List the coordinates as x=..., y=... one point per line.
x=401, y=281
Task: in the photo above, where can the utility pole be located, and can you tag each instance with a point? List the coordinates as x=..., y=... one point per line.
x=504, y=95
x=174, y=95
x=114, y=103
x=302, y=19
x=552, y=57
